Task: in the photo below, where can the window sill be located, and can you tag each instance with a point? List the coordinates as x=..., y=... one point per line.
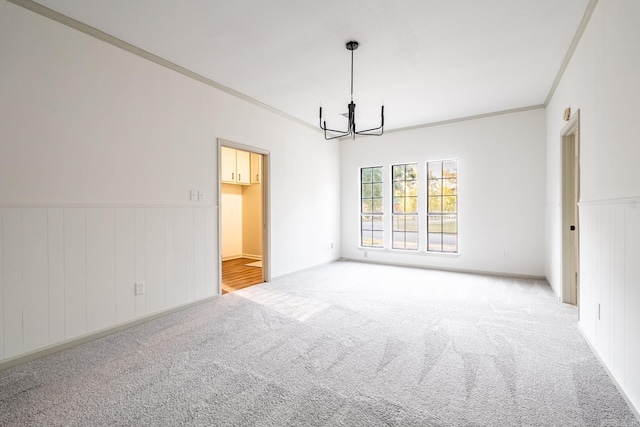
x=409, y=251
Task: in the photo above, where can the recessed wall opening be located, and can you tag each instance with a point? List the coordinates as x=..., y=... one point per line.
x=243, y=209
x=570, y=197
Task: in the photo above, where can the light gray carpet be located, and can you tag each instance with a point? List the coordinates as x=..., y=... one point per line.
x=346, y=344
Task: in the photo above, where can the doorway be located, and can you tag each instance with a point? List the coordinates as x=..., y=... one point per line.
x=570, y=218
x=243, y=200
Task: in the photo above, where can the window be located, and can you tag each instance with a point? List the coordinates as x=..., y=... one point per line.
x=405, y=206
x=371, y=207
x=442, y=206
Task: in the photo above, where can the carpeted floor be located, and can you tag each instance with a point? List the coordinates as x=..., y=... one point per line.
x=347, y=344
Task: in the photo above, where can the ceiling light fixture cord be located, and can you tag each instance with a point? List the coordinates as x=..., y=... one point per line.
x=351, y=74
x=351, y=115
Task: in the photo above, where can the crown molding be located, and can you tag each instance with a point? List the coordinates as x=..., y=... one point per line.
x=114, y=41
x=464, y=119
x=572, y=48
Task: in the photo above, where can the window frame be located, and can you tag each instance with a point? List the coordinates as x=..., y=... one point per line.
x=373, y=213
x=412, y=215
x=441, y=212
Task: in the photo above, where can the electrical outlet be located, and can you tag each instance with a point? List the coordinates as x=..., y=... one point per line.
x=200, y=195
x=331, y=245
x=193, y=195
x=505, y=253
x=139, y=288
x=366, y=254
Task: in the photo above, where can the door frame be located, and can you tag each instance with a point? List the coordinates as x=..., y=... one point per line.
x=266, y=207
x=570, y=196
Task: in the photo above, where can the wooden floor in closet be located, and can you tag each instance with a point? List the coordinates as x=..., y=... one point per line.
x=236, y=275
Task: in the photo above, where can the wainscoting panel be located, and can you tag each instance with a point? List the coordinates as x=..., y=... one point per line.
x=125, y=264
x=604, y=284
x=12, y=271
x=190, y=245
x=632, y=299
x=199, y=254
x=35, y=276
x=141, y=259
x=211, y=259
x=155, y=277
x=75, y=272
x=588, y=316
x=69, y=271
x=55, y=235
x=1, y=286
x=169, y=274
x=617, y=289
x=101, y=269
x=180, y=255
x=610, y=287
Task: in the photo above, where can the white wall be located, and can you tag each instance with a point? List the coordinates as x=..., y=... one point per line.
x=241, y=211
x=231, y=217
x=501, y=174
x=99, y=149
x=602, y=81
x=251, y=220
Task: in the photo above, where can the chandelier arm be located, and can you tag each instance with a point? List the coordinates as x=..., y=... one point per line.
x=366, y=131
x=381, y=127
x=343, y=132
x=325, y=128
x=337, y=136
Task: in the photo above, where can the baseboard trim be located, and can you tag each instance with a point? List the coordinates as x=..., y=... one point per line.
x=73, y=342
x=452, y=270
x=249, y=256
x=623, y=392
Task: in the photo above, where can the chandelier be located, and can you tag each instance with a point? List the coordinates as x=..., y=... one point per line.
x=351, y=114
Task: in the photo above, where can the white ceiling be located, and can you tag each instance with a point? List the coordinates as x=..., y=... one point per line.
x=427, y=60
